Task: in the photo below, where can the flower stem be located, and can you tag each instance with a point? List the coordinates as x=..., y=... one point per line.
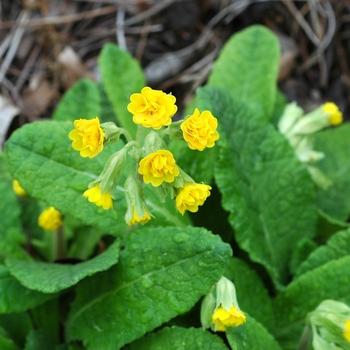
x=305, y=338
x=57, y=245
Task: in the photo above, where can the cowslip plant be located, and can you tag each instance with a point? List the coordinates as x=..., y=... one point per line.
x=151, y=162
x=118, y=221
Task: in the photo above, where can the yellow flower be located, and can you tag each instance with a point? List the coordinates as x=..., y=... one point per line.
x=347, y=330
x=335, y=117
x=223, y=318
x=137, y=220
x=50, y=219
x=17, y=188
x=87, y=137
x=157, y=167
x=102, y=200
x=199, y=130
x=192, y=196
x=152, y=108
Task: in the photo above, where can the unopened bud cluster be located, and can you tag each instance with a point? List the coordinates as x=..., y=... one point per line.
x=299, y=128
x=152, y=163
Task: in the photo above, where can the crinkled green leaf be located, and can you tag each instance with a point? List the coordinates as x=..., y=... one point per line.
x=278, y=109
x=248, y=66
x=252, y=295
x=41, y=156
x=161, y=273
x=107, y=111
x=338, y=246
x=302, y=250
x=177, y=338
x=197, y=164
x=268, y=193
x=51, y=278
x=16, y=298
x=37, y=339
x=251, y=335
x=48, y=318
x=6, y=343
x=122, y=76
x=9, y=207
x=335, y=144
x=329, y=281
x=16, y=326
x=327, y=226
x=80, y=101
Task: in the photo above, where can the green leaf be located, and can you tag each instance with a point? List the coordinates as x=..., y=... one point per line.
x=251, y=293
x=51, y=278
x=177, y=338
x=197, y=164
x=41, y=156
x=329, y=281
x=6, y=343
x=162, y=273
x=248, y=66
x=37, y=339
x=278, y=109
x=338, y=246
x=16, y=326
x=122, y=76
x=9, y=207
x=16, y=298
x=107, y=111
x=268, y=193
x=251, y=335
x=335, y=144
x=80, y=101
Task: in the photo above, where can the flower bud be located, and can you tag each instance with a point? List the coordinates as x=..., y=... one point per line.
x=111, y=132
x=225, y=312
x=330, y=323
x=136, y=207
x=17, y=188
x=50, y=219
x=112, y=171
x=322, y=117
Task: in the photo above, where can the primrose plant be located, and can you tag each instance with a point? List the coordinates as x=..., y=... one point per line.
x=152, y=163
x=119, y=222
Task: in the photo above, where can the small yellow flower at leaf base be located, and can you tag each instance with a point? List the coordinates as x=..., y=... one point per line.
x=87, y=137
x=199, y=130
x=50, y=219
x=137, y=220
x=192, y=196
x=232, y=318
x=152, y=108
x=17, y=188
x=335, y=117
x=158, y=167
x=102, y=200
x=347, y=330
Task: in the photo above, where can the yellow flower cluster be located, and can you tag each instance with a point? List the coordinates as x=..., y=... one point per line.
x=347, y=330
x=335, y=116
x=50, y=219
x=157, y=166
x=232, y=318
x=139, y=220
x=199, y=130
x=87, y=137
x=17, y=188
x=152, y=108
x=191, y=196
x=94, y=195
